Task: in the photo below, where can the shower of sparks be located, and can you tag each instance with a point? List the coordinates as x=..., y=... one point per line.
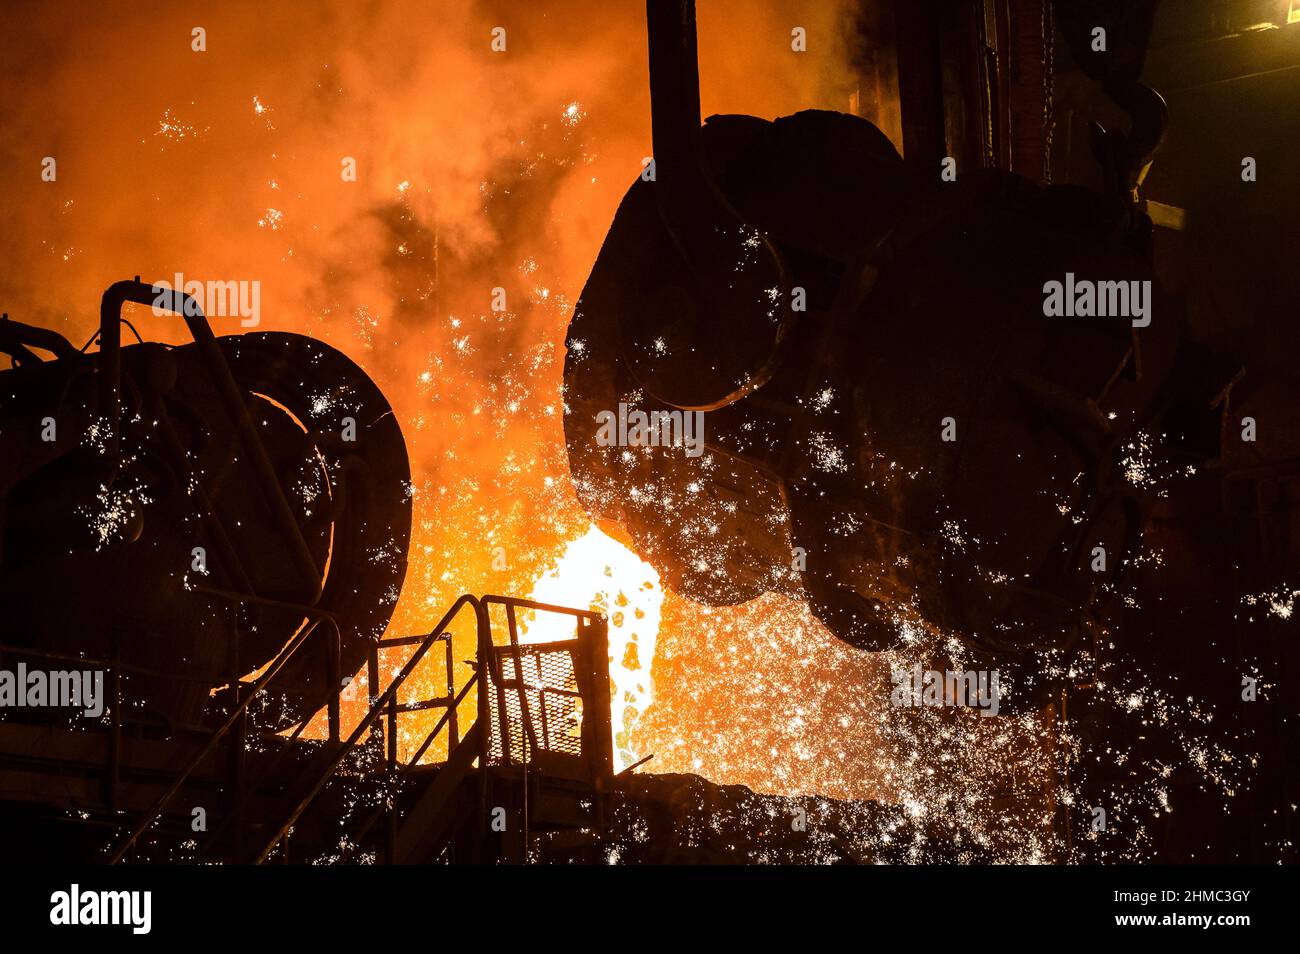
x=272, y=219
x=758, y=694
x=1279, y=603
x=261, y=109
x=169, y=127
x=572, y=114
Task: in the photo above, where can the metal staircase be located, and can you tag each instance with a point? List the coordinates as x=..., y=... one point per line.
x=541, y=727
x=526, y=738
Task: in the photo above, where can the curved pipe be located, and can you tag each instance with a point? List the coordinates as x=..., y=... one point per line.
x=15, y=336
x=110, y=390
x=1136, y=150
x=110, y=338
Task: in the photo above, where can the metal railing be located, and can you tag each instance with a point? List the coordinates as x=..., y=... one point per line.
x=234, y=717
x=589, y=680
x=386, y=703
x=385, y=708
x=499, y=672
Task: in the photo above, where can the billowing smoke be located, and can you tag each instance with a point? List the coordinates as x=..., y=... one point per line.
x=475, y=170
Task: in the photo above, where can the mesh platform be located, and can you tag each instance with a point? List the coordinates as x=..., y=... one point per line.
x=544, y=708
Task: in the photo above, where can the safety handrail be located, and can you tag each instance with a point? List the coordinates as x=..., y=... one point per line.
x=91, y=662
x=376, y=710
x=271, y=671
x=488, y=671
x=428, y=740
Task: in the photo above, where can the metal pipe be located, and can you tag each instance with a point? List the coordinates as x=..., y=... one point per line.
x=14, y=335
x=734, y=266
x=675, y=100
x=448, y=716
x=110, y=388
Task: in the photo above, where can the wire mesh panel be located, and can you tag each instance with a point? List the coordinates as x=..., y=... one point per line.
x=536, y=702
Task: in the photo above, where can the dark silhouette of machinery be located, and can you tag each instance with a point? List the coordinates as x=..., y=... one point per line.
x=177, y=508
x=220, y=530
x=898, y=433
x=895, y=431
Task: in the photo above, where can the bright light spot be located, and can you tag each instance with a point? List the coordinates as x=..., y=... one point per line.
x=597, y=572
x=573, y=114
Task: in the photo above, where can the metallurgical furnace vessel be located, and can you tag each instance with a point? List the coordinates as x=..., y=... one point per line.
x=895, y=429
x=177, y=507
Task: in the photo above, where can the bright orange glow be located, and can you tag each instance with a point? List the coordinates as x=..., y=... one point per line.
x=598, y=572
x=474, y=170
